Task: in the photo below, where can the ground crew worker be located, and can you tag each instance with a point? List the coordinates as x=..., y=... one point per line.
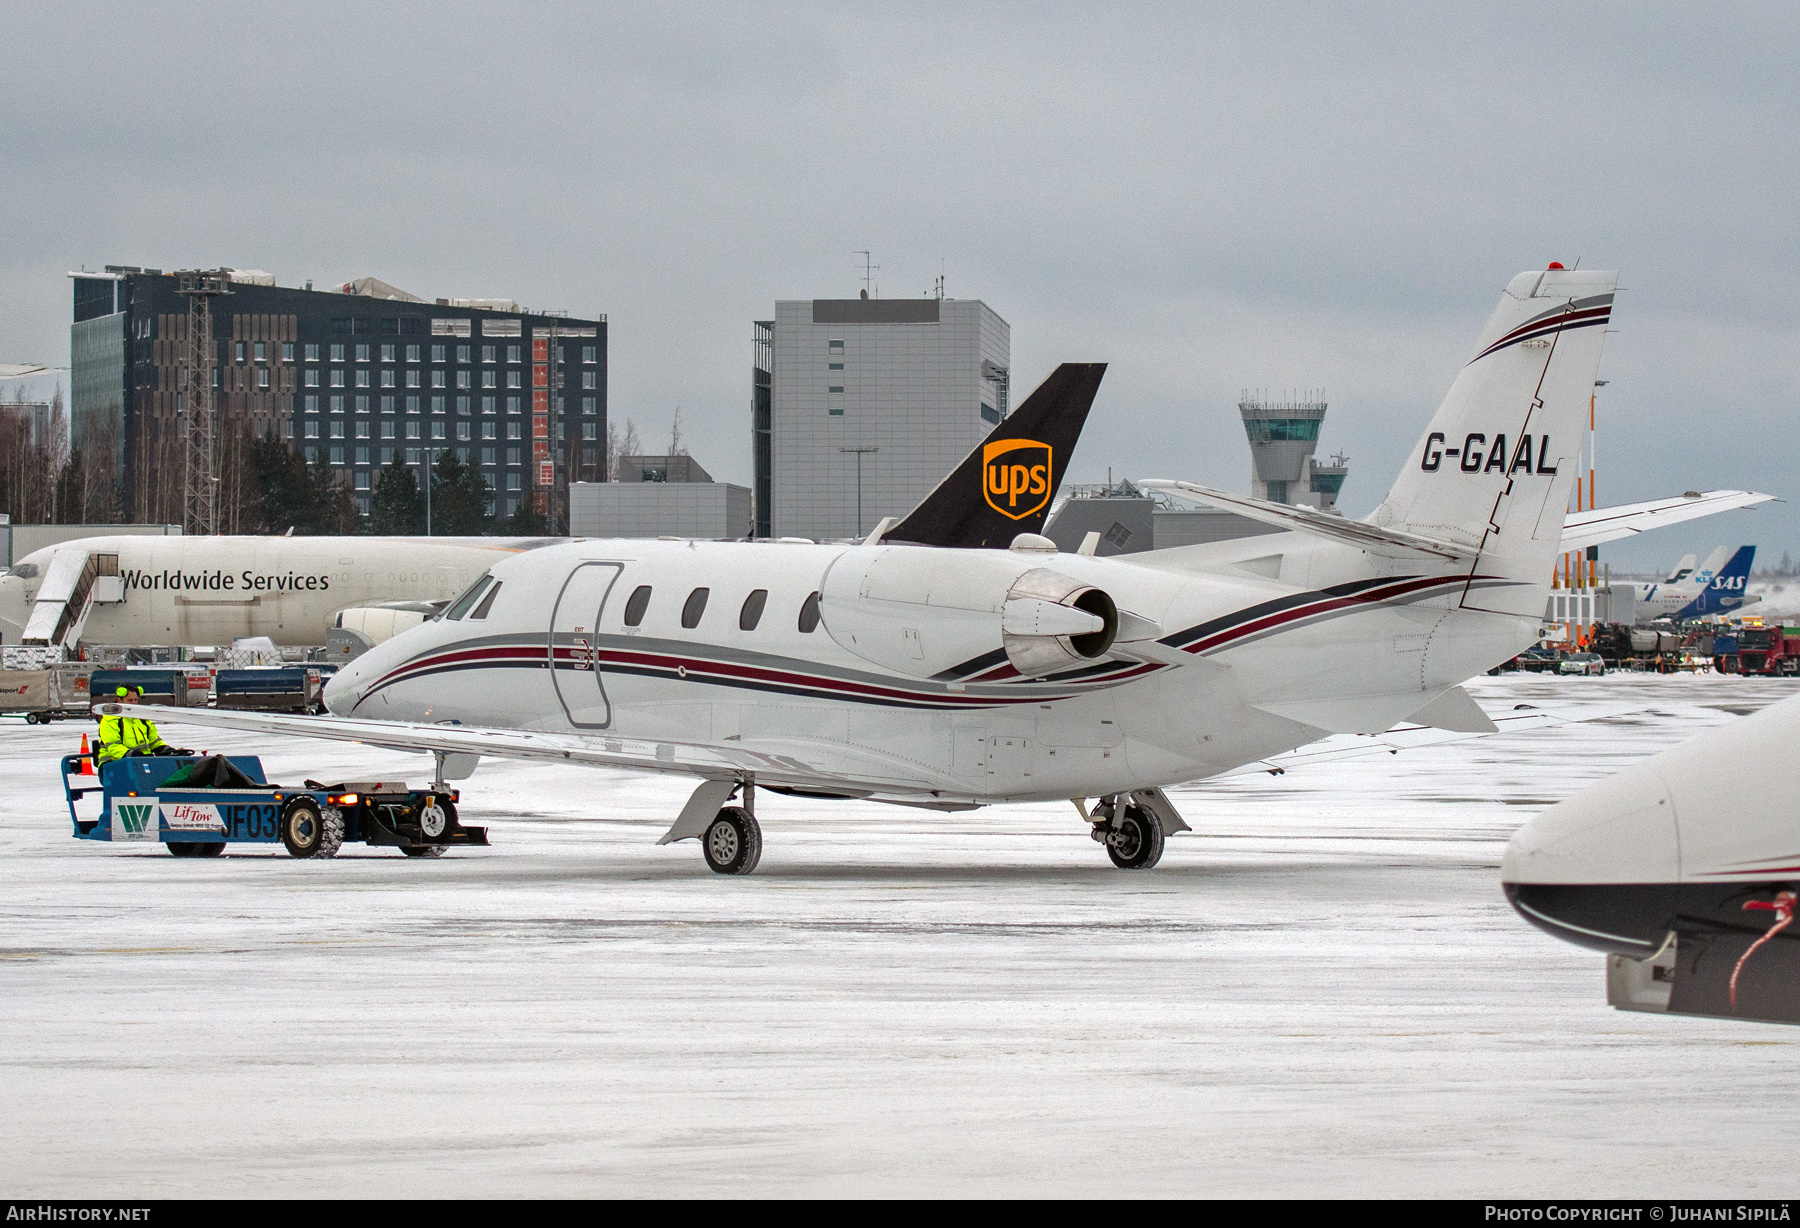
x=130, y=735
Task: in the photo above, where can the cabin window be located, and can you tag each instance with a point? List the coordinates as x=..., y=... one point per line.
x=694, y=607
x=636, y=605
x=751, y=614
x=487, y=602
x=461, y=605
x=809, y=614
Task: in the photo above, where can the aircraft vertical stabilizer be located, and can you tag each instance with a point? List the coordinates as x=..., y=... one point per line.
x=1495, y=467
x=1006, y=485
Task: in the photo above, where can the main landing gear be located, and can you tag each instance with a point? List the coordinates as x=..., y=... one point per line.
x=733, y=842
x=1133, y=826
x=730, y=837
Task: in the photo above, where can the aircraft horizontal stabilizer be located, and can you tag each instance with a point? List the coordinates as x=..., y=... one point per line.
x=1411, y=734
x=1607, y=524
x=1388, y=543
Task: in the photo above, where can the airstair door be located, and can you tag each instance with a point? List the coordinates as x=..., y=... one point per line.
x=574, y=648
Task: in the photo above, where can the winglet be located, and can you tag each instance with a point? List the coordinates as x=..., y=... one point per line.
x=1006, y=485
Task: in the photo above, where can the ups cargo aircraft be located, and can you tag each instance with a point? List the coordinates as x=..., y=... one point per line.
x=957, y=659
x=1684, y=870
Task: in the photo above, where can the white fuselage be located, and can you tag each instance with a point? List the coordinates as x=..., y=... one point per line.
x=903, y=689
x=212, y=590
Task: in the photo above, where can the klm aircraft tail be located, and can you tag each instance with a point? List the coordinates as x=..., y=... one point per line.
x=1006, y=485
x=1725, y=591
x=1493, y=472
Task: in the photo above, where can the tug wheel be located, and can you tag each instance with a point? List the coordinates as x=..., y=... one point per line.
x=207, y=850
x=303, y=828
x=732, y=843
x=181, y=848
x=1136, y=841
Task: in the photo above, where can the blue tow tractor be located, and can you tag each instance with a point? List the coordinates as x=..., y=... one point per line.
x=198, y=806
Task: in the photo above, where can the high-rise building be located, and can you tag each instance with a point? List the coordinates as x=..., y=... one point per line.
x=357, y=376
x=861, y=406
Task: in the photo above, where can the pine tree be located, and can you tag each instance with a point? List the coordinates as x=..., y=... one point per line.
x=459, y=498
x=399, y=507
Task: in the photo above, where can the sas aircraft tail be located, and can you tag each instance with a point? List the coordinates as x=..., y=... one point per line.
x=1724, y=591
x=1006, y=485
x=1493, y=472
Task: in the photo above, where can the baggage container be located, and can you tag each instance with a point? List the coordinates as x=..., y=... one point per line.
x=35, y=692
x=285, y=689
x=168, y=688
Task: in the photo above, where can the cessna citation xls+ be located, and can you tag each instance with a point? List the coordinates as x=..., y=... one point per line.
x=957, y=659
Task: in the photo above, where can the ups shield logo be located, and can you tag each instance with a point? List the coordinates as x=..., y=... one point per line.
x=1015, y=476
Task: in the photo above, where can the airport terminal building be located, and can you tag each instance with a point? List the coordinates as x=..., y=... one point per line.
x=357, y=376
x=861, y=406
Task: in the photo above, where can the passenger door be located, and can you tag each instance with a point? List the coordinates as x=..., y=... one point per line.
x=574, y=647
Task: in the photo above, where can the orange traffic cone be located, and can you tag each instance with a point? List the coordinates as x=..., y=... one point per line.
x=87, y=758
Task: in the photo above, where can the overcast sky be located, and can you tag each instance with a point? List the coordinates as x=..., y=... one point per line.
x=1214, y=198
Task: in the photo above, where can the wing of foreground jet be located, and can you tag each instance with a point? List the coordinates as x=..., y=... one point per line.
x=465, y=740
x=1606, y=524
x=1409, y=735
x=778, y=763
x=1388, y=543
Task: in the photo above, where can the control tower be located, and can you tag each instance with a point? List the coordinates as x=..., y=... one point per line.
x=1283, y=436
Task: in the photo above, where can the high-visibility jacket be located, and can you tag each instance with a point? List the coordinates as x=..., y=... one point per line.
x=120, y=735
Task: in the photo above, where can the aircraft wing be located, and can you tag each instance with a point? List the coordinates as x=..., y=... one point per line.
x=465, y=740
x=1409, y=735
x=1606, y=524
x=472, y=742
x=1388, y=543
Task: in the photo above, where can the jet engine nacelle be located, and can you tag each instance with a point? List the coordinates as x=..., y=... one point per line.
x=923, y=612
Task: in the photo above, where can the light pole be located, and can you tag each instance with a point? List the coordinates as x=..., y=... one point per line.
x=860, y=453
x=428, y=464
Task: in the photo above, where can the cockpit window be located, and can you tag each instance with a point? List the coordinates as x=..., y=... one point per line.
x=809, y=614
x=487, y=602
x=462, y=603
x=25, y=571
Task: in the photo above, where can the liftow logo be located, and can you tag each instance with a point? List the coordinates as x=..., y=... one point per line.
x=1015, y=477
x=134, y=820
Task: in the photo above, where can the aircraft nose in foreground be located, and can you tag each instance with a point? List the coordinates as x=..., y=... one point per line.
x=1600, y=869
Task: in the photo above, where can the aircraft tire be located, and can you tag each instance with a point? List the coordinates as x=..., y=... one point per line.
x=424, y=850
x=303, y=828
x=732, y=843
x=1140, y=843
x=208, y=850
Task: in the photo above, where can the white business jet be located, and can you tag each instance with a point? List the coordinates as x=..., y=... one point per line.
x=1684, y=869
x=956, y=659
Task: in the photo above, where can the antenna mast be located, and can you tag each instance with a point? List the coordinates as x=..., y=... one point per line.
x=200, y=489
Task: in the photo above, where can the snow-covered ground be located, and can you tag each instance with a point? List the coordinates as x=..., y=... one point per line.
x=1319, y=991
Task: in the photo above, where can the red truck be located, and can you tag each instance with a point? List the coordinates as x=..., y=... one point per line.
x=1768, y=650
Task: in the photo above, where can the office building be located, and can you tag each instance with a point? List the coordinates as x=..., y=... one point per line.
x=660, y=496
x=357, y=377
x=861, y=406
